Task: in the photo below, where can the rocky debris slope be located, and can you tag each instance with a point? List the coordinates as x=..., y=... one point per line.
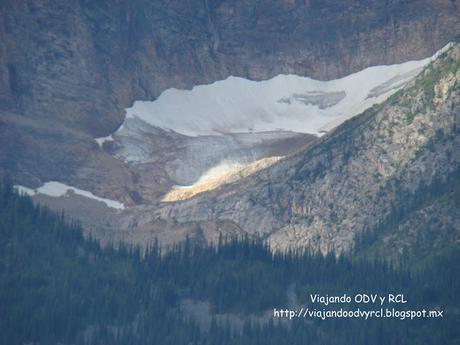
x=370, y=173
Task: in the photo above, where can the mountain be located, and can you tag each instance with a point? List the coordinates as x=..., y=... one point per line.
x=194, y=118
x=69, y=70
x=229, y=172
x=368, y=183
x=384, y=182
x=392, y=169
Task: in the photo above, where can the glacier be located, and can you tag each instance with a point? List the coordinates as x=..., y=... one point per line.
x=217, y=129
x=283, y=103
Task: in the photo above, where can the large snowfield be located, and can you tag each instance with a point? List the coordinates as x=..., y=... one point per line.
x=285, y=102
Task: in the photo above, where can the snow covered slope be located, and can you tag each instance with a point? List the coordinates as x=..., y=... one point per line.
x=285, y=102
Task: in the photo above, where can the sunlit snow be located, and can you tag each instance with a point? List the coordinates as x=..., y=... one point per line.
x=215, y=172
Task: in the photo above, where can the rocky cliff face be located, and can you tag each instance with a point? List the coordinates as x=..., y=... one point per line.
x=370, y=175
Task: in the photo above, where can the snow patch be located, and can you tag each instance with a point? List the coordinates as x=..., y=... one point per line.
x=57, y=189
x=100, y=141
x=24, y=190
